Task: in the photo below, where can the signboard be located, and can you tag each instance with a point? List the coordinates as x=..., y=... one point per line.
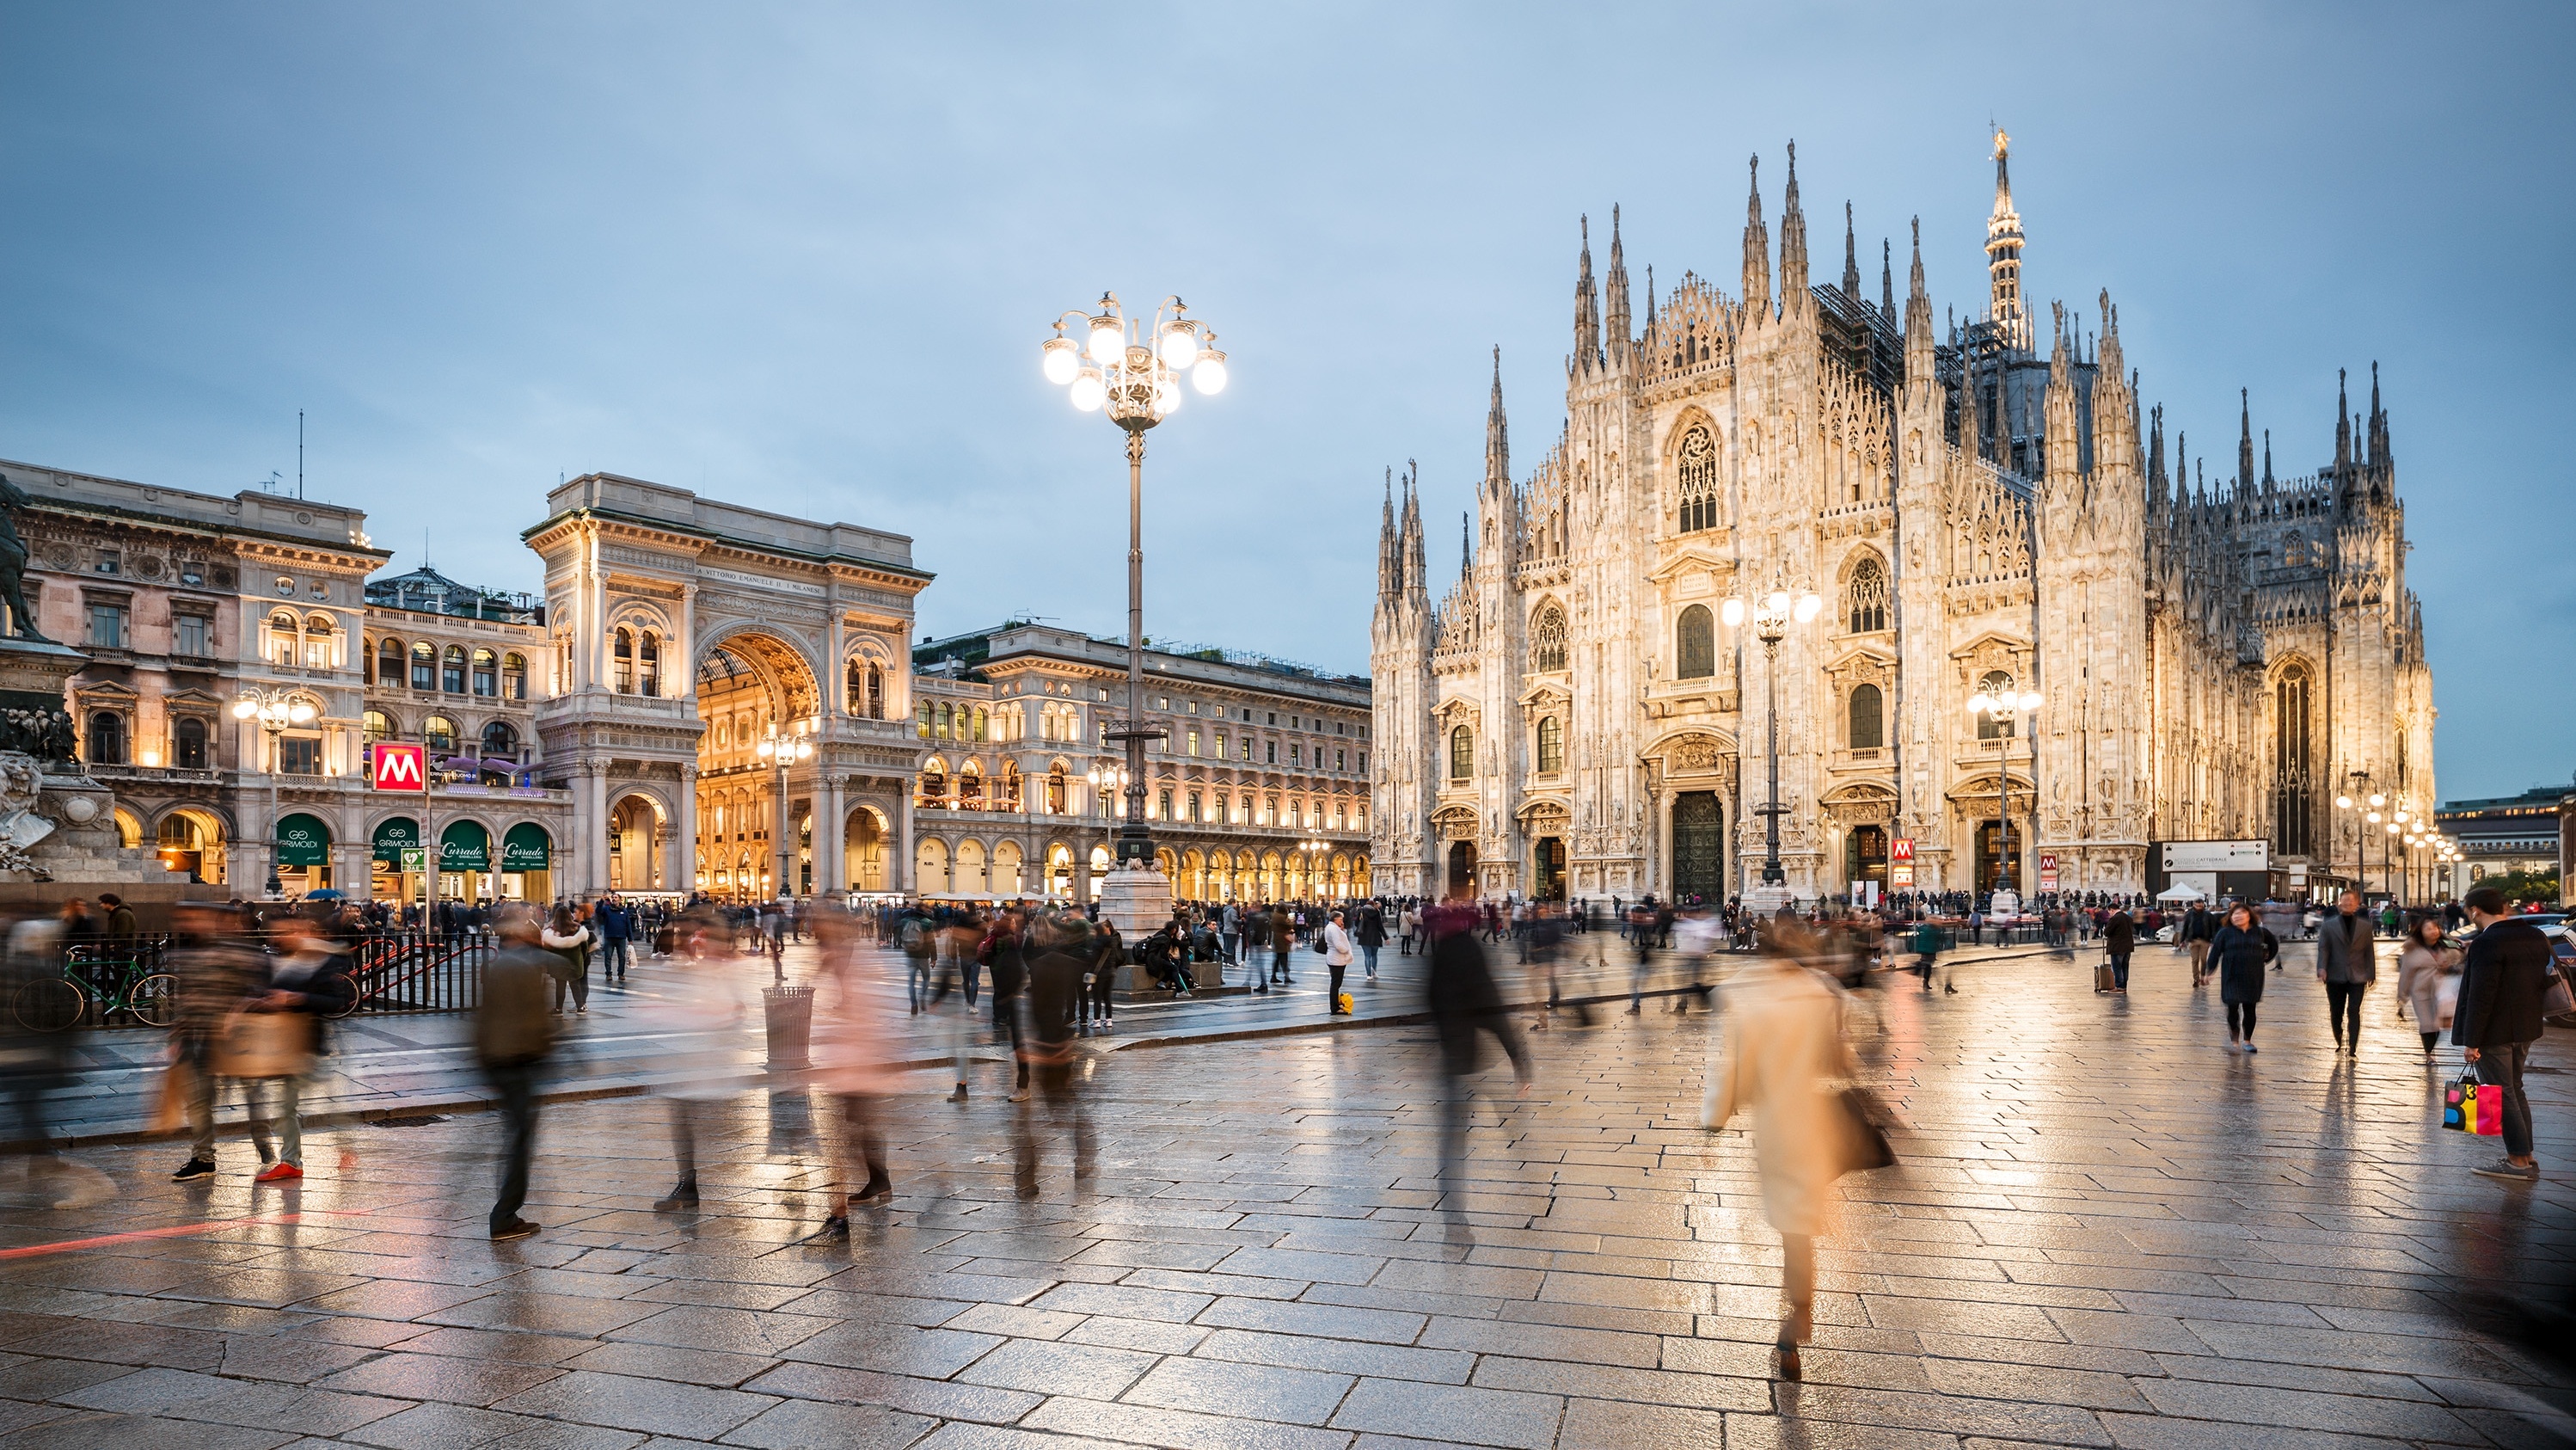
x=1900, y=861
x=2180, y=856
x=302, y=841
x=415, y=859
x=2047, y=871
x=398, y=765
x=395, y=836
x=464, y=846
x=524, y=847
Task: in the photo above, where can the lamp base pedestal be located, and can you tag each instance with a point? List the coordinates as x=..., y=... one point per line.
x=1136, y=899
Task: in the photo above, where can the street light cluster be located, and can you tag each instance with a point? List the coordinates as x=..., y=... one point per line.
x=1134, y=368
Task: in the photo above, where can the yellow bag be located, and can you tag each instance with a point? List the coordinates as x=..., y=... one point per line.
x=264, y=1044
x=1344, y=1002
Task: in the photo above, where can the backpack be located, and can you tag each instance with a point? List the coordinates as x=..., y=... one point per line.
x=914, y=938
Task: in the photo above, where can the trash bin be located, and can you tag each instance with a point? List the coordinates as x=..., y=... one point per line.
x=790, y=1011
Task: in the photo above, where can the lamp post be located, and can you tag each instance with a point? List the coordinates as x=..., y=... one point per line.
x=1133, y=373
x=276, y=710
x=2004, y=708
x=1772, y=614
x=1314, y=851
x=2368, y=802
x=784, y=751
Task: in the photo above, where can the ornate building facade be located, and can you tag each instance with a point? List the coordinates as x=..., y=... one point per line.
x=1982, y=508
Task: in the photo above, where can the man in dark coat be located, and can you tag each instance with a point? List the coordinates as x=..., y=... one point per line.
x=2502, y=980
x=2347, y=964
x=2120, y=939
x=1059, y=946
x=514, y=1031
x=1465, y=1004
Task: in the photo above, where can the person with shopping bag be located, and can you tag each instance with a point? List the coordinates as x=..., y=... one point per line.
x=219, y=972
x=853, y=1063
x=1779, y=1056
x=307, y=977
x=1336, y=940
x=2504, y=986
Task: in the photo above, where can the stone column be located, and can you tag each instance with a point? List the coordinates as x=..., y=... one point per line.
x=594, y=799
x=899, y=870
x=680, y=871
x=831, y=827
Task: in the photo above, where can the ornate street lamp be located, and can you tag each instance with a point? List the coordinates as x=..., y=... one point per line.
x=2003, y=709
x=277, y=711
x=1771, y=615
x=784, y=751
x=1107, y=781
x=2362, y=798
x=1131, y=370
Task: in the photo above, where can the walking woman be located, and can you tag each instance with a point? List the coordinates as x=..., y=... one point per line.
x=1781, y=1043
x=569, y=940
x=851, y=1062
x=2242, y=949
x=2428, y=981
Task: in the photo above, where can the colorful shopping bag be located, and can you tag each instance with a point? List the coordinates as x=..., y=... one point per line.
x=2470, y=1106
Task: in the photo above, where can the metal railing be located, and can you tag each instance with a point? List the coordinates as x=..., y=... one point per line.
x=390, y=971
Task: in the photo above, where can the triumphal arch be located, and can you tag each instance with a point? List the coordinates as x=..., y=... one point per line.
x=694, y=646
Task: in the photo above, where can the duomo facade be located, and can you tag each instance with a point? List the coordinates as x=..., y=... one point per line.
x=1983, y=508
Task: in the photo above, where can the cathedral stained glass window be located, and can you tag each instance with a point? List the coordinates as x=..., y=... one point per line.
x=1695, y=476
x=1694, y=644
x=1547, y=640
x=1865, y=598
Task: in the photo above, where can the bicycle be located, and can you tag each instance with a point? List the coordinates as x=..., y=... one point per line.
x=53, y=1004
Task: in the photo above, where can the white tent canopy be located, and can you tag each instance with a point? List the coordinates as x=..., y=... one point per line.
x=2182, y=892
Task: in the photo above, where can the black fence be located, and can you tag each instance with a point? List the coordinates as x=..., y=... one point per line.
x=132, y=983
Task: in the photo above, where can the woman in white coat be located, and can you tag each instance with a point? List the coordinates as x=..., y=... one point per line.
x=853, y=1063
x=2428, y=981
x=1780, y=1050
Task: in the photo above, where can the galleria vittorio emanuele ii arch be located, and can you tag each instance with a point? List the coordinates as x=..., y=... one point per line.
x=685, y=635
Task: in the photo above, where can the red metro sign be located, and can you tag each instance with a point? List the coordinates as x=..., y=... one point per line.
x=395, y=765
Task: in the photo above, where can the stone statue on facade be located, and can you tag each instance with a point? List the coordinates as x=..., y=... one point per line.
x=13, y=562
x=21, y=782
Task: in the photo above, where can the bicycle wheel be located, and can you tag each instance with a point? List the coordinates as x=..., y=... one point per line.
x=155, y=1000
x=48, y=1004
x=340, y=997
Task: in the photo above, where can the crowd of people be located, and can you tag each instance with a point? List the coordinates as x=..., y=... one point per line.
x=259, y=985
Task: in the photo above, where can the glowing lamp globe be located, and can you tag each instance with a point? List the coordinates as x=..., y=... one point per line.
x=1063, y=360
x=1089, y=392
x=1208, y=374
x=1180, y=346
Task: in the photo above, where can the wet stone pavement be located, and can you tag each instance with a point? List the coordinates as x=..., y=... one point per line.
x=2106, y=1231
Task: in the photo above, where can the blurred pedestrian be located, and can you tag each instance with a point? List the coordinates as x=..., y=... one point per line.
x=1465, y=1005
x=852, y=1064
x=2428, y=980
x=309, y=977
x=2120, y=940
x=2240, y=952
x=1371, y=935
x=1779, y=1052
x=219, y=972
x=35, y=1063
x=1059, y=943
x=701, y=997
x=513, y=1035
x=2502, y=982
x=616, y=924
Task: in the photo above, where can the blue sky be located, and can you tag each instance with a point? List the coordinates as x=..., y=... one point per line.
x=802, y=256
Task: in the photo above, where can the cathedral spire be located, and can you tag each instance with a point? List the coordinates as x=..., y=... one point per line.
x=1793, y=241
x=2244, y=438
x=2267, y=460
x=1921, y=357
x=1887, y=279
x=1851, y=260
x=1587, y=310
x=2379, y=457
x=2343, y=435
x=2156, y=454
x=1970, y=405
x=1390, y=558
x=2003, y=256
x=1616, y=285
x=1757, y=251
x=1498, y=447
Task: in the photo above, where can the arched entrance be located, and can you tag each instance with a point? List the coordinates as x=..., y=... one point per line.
x=1865, y=856
x=863, y=846
x=634, y=845
x=756, y=693
x=1547, y=868
x=303, y=853
x=192, y=841
x=527, y=863
x=1462, y=868
x=1699, y=847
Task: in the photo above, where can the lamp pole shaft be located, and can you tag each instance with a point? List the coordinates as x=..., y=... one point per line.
x=785, y=832
x=1772, y=875
x=276, y=883
x=1136, y=843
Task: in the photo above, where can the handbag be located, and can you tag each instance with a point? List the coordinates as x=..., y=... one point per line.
x=170, y=1104
x=2471, y=1106
x=2559, y=1000
x=264, y=1044
x=1865, y=1140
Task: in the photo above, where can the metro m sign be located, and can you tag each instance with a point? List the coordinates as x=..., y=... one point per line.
x=396, y=765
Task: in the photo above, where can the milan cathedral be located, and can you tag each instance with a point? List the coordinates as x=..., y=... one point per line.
x=1571, y=715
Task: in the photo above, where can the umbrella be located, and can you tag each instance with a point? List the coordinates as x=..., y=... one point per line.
x=2182, y=891
x=325, y=894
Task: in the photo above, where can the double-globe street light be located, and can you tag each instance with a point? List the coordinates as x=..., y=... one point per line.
x=277, y=711
x=1772, y=614
x=1131, y=369
x=2369, y=802
x=2003, y=708
x=784, y=751
x=1108, y=782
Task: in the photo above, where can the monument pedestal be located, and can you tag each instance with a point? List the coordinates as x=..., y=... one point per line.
x=57, y=825
x=1137, y=900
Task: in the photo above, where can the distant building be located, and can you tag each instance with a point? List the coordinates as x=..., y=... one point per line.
x=1261, y=757
x=2525, y=832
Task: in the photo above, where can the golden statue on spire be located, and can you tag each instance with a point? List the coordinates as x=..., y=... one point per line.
x=2003, y=143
